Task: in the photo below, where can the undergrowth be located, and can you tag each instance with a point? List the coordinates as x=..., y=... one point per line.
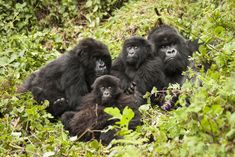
x=31, y=36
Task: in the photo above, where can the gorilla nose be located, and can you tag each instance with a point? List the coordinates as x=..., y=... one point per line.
x=171, y=52
x=102, y=65
x=131, y=53
x=106, y=94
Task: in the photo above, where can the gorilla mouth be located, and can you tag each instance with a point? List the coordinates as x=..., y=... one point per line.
x=132, y=57
x=101, y=72
x=173, y=66
x=170, y=59
x=106, y=100
x=131, y=60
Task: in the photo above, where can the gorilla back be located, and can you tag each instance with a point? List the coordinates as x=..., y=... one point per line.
x=63, y=81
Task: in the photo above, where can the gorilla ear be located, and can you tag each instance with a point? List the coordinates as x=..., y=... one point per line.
x=117, y=80
x=37, y=91
x=80, y=50
x=93, y=85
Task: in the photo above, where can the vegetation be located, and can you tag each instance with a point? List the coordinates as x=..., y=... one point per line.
x=35, y=32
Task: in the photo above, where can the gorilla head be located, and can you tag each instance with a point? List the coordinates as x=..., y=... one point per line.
x=106, y=89
x=172, y=48
x=135, y=51
x=94, y=55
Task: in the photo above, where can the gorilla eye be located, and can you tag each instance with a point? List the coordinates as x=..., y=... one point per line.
x=136, y=47
x=102, y=88
x=173, y=43
x=109, y=88
x=163, y=46
x=129, y=47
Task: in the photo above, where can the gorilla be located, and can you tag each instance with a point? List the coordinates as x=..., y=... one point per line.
x=137, y=66
x=65, y=80
x=90, y=118
x=174, y=51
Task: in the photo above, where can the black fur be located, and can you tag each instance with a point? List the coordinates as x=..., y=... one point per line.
x=68, y=77
x=167, y=39
x=88, y=122
x=145, y=70
x=167, y=36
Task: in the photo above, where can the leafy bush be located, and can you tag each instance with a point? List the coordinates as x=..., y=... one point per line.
x=205, y=128
x=27, y=15
x=99, y=9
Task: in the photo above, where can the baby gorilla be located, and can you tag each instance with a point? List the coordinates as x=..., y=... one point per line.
x=137, y=66
x=90, y=118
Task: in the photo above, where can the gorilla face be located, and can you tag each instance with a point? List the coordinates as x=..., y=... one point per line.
x=94, y=56
x=100, y=68
x=107, y=89
x=173, y=53
x=171, y=47
x=106, y=94
x=135, y=51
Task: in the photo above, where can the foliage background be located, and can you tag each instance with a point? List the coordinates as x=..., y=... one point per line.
x=35, y=32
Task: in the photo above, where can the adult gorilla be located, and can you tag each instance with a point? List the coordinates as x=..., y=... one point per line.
x=174, y=51
x=137, y=65
x=63, y=81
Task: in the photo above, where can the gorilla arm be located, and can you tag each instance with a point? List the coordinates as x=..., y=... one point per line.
x=131, y=102
x=149, y=75
x=118, y=70
x=74, y=84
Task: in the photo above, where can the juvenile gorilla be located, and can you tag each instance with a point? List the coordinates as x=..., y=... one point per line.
x=174, y=51
x=137, y=65
x=88, y=122
x=63, y=81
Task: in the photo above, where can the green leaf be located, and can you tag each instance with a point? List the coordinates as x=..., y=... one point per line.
x=219, y=30
x=113, y=111
x=88, y=3
x=4, y=61
x=95, y=144
x=95, y=8
x=232, y=120
x=127, y=115
x=145, y=107
x=231, y=135
x=30, y=148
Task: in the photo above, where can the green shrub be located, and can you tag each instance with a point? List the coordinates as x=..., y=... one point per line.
x=205, y=128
